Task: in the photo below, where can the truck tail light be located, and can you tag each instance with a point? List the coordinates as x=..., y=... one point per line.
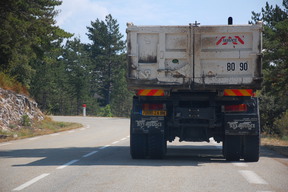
x=236, y=108
x=154, y=109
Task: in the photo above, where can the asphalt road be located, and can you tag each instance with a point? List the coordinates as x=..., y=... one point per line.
x=96, y=158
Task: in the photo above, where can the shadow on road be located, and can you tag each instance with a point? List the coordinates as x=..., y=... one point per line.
x=120, y=156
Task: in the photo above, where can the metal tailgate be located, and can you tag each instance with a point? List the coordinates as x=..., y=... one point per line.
x=228, y=56
x=194, y=57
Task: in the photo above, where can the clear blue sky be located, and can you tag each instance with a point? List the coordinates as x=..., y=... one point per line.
x=76, y=15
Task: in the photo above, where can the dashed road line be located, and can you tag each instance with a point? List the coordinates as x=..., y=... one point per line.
x=89, y=154
x=28, y=183
x=252, y=177
x=104, y=147
x=115, y=142
x=34, y=180
x=67, y=164
x=240, y=164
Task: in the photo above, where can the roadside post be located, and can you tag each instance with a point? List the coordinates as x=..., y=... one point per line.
x=84, y=110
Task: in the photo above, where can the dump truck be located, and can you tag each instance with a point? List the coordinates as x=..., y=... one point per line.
x=195, y=82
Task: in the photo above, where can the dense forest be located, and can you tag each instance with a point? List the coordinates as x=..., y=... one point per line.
x=61, y=73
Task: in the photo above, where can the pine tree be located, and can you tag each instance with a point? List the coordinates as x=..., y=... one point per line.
x=106, y=46
x=274, y=94
x=26, y=30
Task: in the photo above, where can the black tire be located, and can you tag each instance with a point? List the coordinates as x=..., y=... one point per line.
x=251, y=148
x=157, y=146
x=232, y=147
x=138, y=146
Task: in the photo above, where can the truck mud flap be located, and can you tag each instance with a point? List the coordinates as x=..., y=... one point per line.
x=148, y=124
x=241, y=124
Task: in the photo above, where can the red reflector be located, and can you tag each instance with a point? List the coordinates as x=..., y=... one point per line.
x=152, y=106
x=236, y=108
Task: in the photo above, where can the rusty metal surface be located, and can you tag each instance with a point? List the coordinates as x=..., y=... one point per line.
x=194, y=57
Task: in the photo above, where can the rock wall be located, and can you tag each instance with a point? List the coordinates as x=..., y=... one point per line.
x=13, y=107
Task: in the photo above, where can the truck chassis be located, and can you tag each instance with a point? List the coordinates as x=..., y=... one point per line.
x=195, y=117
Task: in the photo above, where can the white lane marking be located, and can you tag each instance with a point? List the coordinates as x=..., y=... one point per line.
x=264, y=191
x=3, y=144
x=104, y=147
x=28, y=183
x=252, y=177
x=240, y=164
x=123, y=139
x=33, y=138
x=71, y=131
x=55, y=134
x=89, y=154
x=115, y=142
x=67, y=164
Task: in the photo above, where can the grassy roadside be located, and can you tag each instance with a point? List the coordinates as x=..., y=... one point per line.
x=275, y=144
x=47, y=126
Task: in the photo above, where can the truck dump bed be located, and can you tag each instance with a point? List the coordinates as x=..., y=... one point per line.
x=194, y=57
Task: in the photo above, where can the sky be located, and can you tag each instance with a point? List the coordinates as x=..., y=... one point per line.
x=75, y=15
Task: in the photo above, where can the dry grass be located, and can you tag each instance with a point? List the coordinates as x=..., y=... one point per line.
x=47, y=126
x=9, y=83
x=276, y=144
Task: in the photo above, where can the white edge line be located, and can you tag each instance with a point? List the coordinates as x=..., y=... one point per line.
x=252, y=177
x=89, y=154
x=104, y=147
x=28, y=183
x=123, y=139
x=115, y=142
x=5, y=144
x=67, y=164
x=33, y=138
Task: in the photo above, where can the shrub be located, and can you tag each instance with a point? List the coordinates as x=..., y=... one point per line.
x=25, y=121
x=281, y=124
x=105, y=111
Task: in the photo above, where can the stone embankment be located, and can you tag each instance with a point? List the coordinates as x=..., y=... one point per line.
x=16, y=107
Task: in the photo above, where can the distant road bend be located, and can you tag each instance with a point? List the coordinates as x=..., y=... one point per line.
x=96, y=157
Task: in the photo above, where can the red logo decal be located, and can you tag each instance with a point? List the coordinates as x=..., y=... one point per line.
x=235, y=40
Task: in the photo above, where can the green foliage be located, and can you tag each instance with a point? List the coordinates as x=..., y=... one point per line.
x=27, y=29
x=281, y=125
x=62, y=76
x=104, y=52
x=25, y=120
x=9, y=83
x=274, y=94
x=105, y=111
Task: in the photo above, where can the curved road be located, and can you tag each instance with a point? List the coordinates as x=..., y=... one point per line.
x=96, y=158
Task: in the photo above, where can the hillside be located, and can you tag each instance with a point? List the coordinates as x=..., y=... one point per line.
x=17, y=110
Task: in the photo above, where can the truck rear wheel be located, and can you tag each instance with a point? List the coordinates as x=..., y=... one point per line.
x=251, y=148
x=157, y=146
x=232, y=147
x=138, y=146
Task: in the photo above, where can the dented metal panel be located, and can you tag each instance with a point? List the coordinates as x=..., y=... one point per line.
x=194, y=57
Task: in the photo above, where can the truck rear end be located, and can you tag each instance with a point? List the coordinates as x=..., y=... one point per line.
x=195, y=83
